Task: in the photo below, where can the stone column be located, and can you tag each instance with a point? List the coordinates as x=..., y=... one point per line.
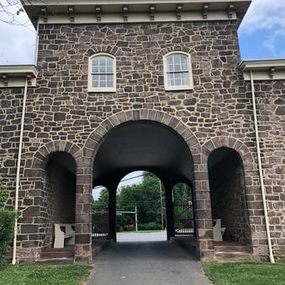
x=203, y=213
x=83, y=218
x=169, y=212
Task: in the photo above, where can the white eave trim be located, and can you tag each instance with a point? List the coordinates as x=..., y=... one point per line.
x=117, y=11
x=264, y=69
x=16, y=75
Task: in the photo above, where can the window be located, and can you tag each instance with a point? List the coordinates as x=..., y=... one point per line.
x=177, y=71
x=102, y=73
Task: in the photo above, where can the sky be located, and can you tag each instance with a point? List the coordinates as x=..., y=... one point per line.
x=261, y=34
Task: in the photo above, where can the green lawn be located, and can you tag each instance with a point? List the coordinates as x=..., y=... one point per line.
x=245, y=273
x=43, y=275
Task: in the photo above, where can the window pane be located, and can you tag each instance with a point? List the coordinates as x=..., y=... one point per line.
x=177, y=63
x=102, y=72
x=109, y=80
x=178, y=79
x=95, y=65
x=95, y=80
x=170, y=64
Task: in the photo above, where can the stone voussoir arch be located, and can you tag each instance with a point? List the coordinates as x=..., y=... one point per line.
x=232, y=143
x=41, y=156
x=96, y=137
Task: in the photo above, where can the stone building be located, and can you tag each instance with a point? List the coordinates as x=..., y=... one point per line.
x=144, y=85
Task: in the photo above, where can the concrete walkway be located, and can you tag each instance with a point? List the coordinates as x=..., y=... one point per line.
x=146, y=263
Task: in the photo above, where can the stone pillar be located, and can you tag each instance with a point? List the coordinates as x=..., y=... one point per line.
x=83, y=218
x=169, y=212
x=203, y=213
x=112, y=213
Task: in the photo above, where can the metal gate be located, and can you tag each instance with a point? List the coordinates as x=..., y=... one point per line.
x=184, y=219
x=100, y=222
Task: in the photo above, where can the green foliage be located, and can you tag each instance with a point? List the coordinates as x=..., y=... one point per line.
x=103, y=200
x=44, y=275
x=7, y=221
x=3, y=194
x=146, y=196
x=240, y=273
x=149, y=227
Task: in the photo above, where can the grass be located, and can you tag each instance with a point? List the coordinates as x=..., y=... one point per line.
x=243, y=273
x=43, y=275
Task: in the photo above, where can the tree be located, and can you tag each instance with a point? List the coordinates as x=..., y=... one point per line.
x=146, y=196
x=102, y=201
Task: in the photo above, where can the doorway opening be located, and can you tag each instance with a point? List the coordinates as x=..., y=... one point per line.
x=163, y=159
x=140, y=208
x=227, y=191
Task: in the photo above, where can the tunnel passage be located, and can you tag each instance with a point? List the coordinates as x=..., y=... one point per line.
x=60, y=188
x=142, y=145
x=227, y=190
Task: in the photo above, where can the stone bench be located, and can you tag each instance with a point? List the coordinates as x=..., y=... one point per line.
x=64, y=234
x=218, y=230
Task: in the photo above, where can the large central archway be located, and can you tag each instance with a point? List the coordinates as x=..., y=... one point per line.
x=153, y=141
x=144, y=145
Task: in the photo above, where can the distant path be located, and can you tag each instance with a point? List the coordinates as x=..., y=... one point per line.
x=136, y=237
x=146, y=263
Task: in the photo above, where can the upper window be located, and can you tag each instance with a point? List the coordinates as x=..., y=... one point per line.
x=102, y=73
x=177, y=71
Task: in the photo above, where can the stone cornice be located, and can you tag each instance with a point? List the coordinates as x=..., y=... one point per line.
x=113, y=11
x=15, y=75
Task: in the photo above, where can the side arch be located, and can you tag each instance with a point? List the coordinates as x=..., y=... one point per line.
x=232, y=143
x=40, y=157
x=231, y=185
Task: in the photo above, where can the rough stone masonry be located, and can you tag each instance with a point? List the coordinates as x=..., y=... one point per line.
x=61, y=115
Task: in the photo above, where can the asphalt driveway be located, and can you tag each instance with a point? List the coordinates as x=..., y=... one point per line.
x=146, y=263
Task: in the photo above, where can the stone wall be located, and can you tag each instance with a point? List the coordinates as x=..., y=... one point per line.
x=10, y=117
x=270, y=96
x=62, y=115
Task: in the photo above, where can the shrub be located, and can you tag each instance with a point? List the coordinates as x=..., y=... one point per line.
x=3, y=194
x=149, y=227
x=7, y=221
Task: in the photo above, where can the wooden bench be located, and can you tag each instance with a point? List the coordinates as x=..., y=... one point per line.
x=64, y=234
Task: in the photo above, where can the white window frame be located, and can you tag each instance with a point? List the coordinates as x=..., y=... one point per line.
x=101, y=89
x=165, y=73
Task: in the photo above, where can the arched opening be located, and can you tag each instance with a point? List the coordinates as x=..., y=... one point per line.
x=184, y=221
x=145, y=146
x=140, y=208
x=60, y=199
x=100, y=212
x=227, y=190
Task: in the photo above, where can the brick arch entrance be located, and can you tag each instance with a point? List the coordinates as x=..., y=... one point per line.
x=202, y=213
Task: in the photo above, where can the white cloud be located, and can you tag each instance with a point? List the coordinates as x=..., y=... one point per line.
x=264, y=15
x=267, y=17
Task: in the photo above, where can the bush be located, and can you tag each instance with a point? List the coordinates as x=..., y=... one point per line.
x=149, y=227
x=3, y=195
x=7, y=221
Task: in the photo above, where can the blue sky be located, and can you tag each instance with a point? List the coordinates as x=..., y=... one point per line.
x=262, y=33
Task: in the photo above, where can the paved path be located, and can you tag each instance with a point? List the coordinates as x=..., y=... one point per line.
x=147, y=263
x=136, y=237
